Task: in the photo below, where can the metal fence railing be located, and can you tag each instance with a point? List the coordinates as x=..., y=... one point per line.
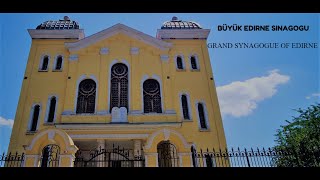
x=269, y=157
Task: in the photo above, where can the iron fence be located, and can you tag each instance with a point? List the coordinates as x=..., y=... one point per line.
x=269, y=157
x=12, y=160
x=119, y=157
x=115, y=157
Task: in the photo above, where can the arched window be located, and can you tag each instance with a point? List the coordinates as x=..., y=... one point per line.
x=185, y=107
x=193, y=61
x=58, y=65
x=119, y=86
x=86, y=96
x=45, y=62
x=52, y=109
x=50, y=156
x=202, y=118
x=152, y=96
x=167, y=154
x=179, y=63
x=35, y=117
x=194, y=156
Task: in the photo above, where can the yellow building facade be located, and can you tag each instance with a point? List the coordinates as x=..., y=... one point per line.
x=119, y=97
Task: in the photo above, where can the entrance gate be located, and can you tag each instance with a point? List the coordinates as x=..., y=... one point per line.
x=115, y=157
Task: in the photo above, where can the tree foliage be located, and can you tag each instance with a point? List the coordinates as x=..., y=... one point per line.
x=300, y=138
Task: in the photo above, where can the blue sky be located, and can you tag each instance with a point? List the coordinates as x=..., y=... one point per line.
x=257, y=88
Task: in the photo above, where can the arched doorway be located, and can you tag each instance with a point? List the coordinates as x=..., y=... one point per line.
x=50, y=156
x=167, y=154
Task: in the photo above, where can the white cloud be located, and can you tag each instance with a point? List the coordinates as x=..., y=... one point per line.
x=240, y=98
x=6, y=122
x=313, y=95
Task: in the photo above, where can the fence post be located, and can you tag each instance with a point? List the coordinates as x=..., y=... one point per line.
x=245, y=151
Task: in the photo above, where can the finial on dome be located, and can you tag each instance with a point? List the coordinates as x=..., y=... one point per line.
x=66, y=18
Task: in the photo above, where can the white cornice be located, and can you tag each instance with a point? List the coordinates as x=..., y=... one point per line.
x=116, y=127
x=183, y=33
x=109, y=136
x=116, y=29
x=56, y=34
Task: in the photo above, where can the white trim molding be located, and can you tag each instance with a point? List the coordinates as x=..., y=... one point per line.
x=80, y=79
x=67, y=140
x=180, y=160
x=55, y=63
x=56, y=33
x=109, y=136
x=182, y=60
x=116, y=127
x=164, y=58
x=188, y=103
x=149, y=142
x=197, y=62
x=134, y=50
x=117, y=29
x=73, y=57
x=48, y=108
x=104, y=50
x=113, y=62
x=31, y=117
x=206, y=115
x=41, y=63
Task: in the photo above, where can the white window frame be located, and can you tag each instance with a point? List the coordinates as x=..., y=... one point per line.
x=31, y=117
x=189, y=106
x=155, y=77
x=183, y=63
x=41, y=63
x=197, y=61
x=48, y=109
x=55, y=63
x=115, y=61
x=206, y=116
x=80, y=79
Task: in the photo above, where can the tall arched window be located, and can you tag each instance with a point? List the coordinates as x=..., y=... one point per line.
x=185, y=107
x=179, y=63
x=202, y=118
x=52, y=109
x=167, y=154
x=152, y=96
x=35, y=117
x=119, y=86
x=86, y=96
x=194, y=64
x=45, y=62
x=50, y=156
x=58, y=65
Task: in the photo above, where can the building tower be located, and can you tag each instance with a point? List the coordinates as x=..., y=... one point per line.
x=119, y=97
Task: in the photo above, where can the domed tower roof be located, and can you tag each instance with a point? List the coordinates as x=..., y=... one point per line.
x=178, y=29
x=64, y=23
x=179, y=24
x=61, y=29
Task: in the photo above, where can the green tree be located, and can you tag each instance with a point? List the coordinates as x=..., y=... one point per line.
x=298, y=142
